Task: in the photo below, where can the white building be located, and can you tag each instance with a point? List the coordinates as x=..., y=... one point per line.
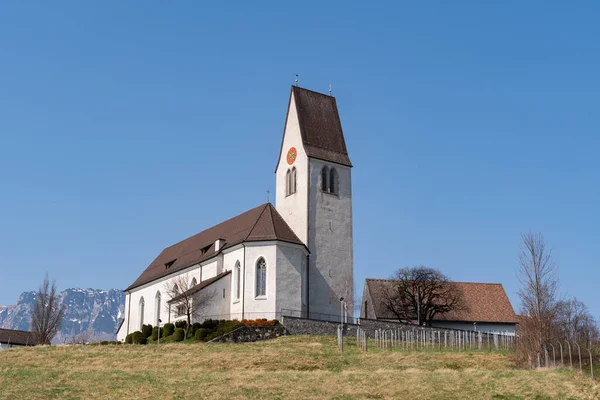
x=295, y=257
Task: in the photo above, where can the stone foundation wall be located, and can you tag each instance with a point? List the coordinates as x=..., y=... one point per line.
x=304, y=326
x=251, y=334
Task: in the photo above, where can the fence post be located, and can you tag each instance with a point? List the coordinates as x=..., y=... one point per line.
x=579, y=351
x=562, y=363
x=553, y=354
x=570, y=357
x=591, y=361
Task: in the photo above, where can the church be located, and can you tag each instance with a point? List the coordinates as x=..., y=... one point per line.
x=294, y=257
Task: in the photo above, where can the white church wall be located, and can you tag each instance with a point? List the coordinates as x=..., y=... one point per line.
x=293, y=207
x=230, y=257
x=290, y=259
x=209, y=270
x=260, y=307
x=123, y=329
x=148, y=291
x=330, y=241
x=219, y=305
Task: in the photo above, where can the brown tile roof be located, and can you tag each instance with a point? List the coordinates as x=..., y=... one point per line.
x=258, y=224
x=320, y=126
x=17, y=337
x=201, y=285
x=485, y=302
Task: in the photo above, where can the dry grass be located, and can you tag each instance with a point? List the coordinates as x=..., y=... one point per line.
x=286, y=368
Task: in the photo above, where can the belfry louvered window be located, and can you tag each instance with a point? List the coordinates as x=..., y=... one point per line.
x=325, y=179
x=261, y=277
x=290, y=181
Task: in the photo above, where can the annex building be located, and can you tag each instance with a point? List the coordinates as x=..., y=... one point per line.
x=487, y=307
x=296, y=255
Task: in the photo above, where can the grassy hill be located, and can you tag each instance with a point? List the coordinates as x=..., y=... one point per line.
x=299, y=367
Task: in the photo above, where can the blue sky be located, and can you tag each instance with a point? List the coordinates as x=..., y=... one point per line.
x=128, y=126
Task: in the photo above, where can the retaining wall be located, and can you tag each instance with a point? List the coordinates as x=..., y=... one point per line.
x=251, y=334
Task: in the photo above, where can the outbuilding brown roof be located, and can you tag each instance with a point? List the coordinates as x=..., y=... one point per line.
x=484, y=302
x=320, y=126
x=21, y=338
x=258, y=224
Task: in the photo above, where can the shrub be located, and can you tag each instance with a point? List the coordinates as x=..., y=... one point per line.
x=168, y=330
x=139, y=338
x=210, y=324
x=181, y=324
x=179, y=334
x=147, y=330
x=129, y=339
x=195, y=327
x=223, y=328
x=200, y=334
x=155, y=333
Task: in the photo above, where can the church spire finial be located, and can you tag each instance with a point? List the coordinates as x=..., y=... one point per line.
x=268, y=193
x=330, y=89
x=296, y=81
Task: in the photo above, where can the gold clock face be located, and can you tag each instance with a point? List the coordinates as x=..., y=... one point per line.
x=291, y=155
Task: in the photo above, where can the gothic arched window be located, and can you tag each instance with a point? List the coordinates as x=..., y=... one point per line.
x=194, y=282
x=141, y=312
x=288, y=176
x=293, y=181
x=158, y=305
x=333, y=181
x=261, y=277
x=175, y=289
x=324, y=179
x=238, y=279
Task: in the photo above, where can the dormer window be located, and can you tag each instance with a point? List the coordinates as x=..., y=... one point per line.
x=170, y=264
x=205, y=249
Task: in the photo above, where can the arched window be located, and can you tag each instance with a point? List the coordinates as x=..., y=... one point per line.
x=333, y=181
x=175, y=289
x=238, y=279
x=324, y=179
x=288, y=188
x=158, y=305
x=261, y=277
x=194, y=282
x=141, y=312
x=293, y=181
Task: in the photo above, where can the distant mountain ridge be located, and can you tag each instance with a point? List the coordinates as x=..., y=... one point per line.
x=93, y=311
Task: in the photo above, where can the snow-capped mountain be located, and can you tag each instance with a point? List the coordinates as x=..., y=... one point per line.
x=97, y=313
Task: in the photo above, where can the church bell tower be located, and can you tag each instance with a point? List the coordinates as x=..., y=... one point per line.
x=314, y=196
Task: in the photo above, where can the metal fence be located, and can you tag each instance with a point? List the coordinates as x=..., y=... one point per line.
x=547, y=356
x=433, y=339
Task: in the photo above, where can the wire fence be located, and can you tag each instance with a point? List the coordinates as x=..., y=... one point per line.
x=547, y=356
x=432, y=339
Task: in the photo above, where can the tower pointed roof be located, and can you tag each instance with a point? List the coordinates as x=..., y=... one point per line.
x=320, y=126
x=262, y=223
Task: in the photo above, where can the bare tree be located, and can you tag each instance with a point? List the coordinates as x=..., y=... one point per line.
x=575, y=323
x=539, y=285
x=47, y=313
x=419, y=294
x=187, y=300
x=84, y=337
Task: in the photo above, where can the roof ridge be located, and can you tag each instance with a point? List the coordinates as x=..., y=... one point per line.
x=294, y=87
x=466, y=283
x=213, y=226
x=14, y=330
